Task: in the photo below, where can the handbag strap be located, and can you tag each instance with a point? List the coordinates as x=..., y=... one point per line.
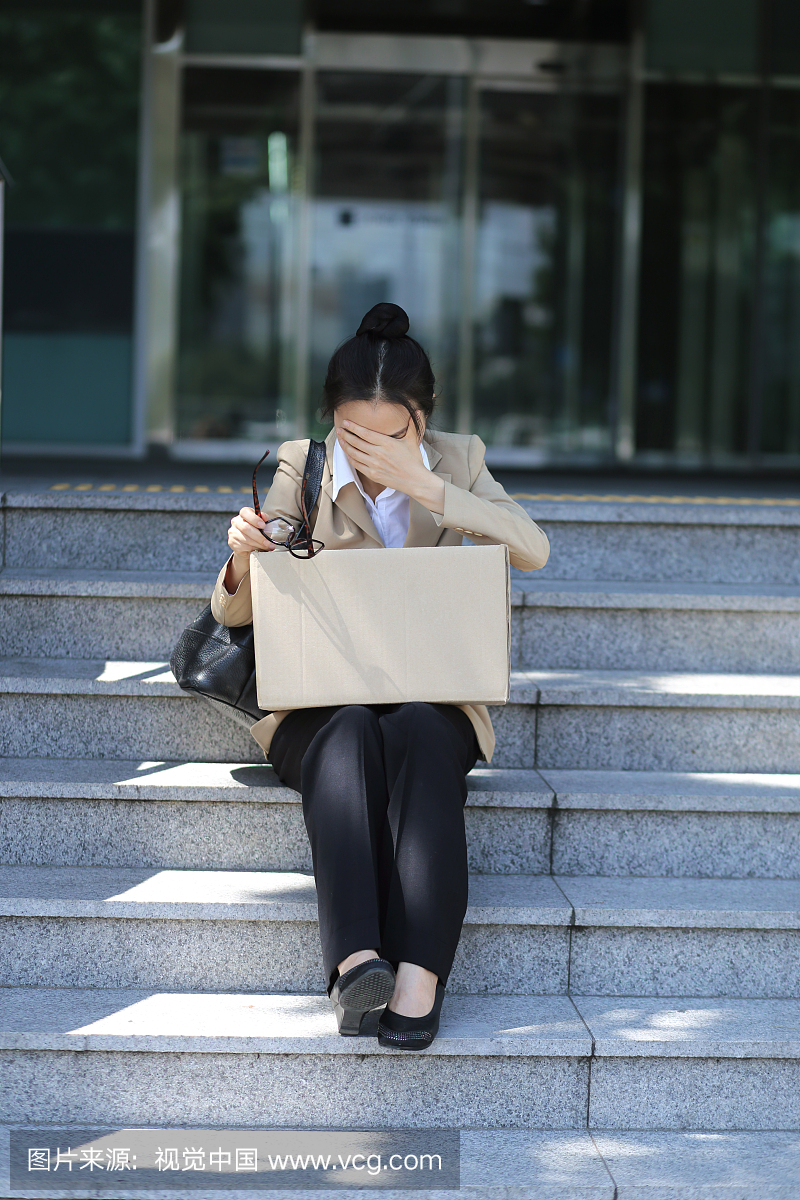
x=312, y=477
x=309, y=491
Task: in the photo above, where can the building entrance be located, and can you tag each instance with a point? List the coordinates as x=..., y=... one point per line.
x=596, y=236
x=478, y=193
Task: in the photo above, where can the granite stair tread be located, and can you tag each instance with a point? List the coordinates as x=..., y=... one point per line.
x=579, y=593
x=675, y=791
x=118, y=779
x=607, y=509
x=97, y=676
x=628, y=1027
x=604, y=688
x=658, y=903
x=701, y=1165
x=678, y=689
x=498, y=899
x=750, y=541
x=32, y=581
x=238, y=816
x=626, y=1165
x=83, y=676
x=244, y=895
x=690, y=1026
x=543, y=1164
x=659, y=510
x=180, y=500
x=149, y=1019
x=526, y=591
x=670, y=791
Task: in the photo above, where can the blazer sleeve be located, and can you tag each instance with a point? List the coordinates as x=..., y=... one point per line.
x=487, y=515
x=283, y=500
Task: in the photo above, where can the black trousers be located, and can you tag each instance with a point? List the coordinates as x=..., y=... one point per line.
x=383, y=790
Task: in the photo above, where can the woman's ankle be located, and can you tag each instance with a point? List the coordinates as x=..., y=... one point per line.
x=355, y=959
x=415, y=990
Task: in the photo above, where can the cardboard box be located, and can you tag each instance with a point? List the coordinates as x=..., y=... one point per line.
x=382, y=626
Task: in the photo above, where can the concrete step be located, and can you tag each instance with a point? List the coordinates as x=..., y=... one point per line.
x=548, y=1164
x=550, y=1062
x=578, y=625
x=98, y=708
x=593, y=720
x=219, y=930
x=141, y=532
x=111, y=709
x=555, y=624
x=691, y=1166
x=523, y=934
x=94, y=614
x=101, y=812
x=744, y=541
x=104, y=812
x=753, y=541
x=660, y=721
x=675, y=824
x=536, y=1164
x=657, y=937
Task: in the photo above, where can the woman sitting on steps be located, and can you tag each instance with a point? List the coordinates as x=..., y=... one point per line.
x=384, y=786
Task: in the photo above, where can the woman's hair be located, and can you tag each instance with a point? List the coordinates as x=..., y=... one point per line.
x=381, y=363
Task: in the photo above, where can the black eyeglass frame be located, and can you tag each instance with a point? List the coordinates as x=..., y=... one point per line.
x=301, y=544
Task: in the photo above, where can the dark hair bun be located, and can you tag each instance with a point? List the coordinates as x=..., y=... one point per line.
x=385, y=365
x=384, y=321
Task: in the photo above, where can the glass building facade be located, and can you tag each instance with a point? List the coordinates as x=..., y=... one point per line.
x=590, y=210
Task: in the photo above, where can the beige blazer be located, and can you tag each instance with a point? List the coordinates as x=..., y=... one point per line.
x=475, y=505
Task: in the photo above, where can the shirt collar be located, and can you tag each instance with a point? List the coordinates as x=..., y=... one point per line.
x=343, y=473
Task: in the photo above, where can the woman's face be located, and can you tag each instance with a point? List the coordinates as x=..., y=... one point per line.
x=389, y=419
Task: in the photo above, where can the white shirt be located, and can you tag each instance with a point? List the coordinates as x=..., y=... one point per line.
x=390, y=510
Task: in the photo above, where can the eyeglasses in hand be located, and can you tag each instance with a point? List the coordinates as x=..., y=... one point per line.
x=298, y=542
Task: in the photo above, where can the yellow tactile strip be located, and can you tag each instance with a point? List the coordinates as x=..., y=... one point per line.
x=135, y=487
x=597, y=499
x=763, y=501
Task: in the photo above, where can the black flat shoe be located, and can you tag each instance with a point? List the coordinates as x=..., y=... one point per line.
x=358, y=991
x=410, y=1033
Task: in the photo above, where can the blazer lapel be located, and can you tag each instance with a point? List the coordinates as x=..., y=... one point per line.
x=351, y=502
x=434, y=457
x=422, y=529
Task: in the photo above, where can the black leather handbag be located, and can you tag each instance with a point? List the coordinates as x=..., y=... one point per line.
x=219, y=661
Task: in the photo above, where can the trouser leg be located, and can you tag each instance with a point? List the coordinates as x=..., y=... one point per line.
x=293, y=737
x=343, y=786
x=427, y=751
x=383, y=794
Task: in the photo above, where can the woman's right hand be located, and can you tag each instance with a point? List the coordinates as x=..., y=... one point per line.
x=244, y=536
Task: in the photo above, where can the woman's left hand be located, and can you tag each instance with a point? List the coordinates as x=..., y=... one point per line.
x=393, y=462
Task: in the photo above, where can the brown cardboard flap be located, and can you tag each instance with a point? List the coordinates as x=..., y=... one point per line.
x=382, y=626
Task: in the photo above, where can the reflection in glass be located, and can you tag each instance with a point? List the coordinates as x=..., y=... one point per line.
x=387, y=191
x=780, y=424
x=238, y=149
x=544, y=270
x=69, y=113
x=698, y=238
